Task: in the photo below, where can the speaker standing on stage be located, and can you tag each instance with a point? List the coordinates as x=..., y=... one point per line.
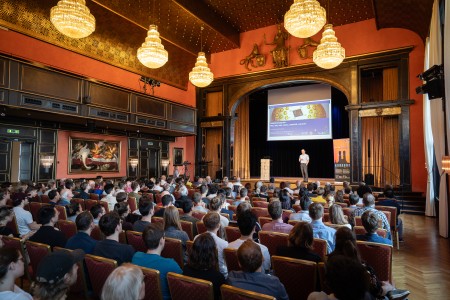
x=304, y=161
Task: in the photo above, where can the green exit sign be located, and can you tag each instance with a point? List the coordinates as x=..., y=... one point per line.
x=13, y=131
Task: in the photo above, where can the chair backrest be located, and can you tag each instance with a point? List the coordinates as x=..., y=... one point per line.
x=80, y=201
x=273, y=240
x=97, y=234
x=231, y=259
x=134, y=238
x=158, y=198
x=260, y=212
x=152, y=284
x=286, y=214
x=347, y=212
x=358, y=221
x=184, y=287
x=341, y=204
x=13, y=226
x=321, y=269
x=361, y=230
x=393, y=210
x=201, y=228
x=259, y=203
x=320, y=247
x=158, y=220
x=89, y=203
x=229, y=201
x=99, y=269
x=34, y=210
x=132, y=203
x=173, y=249
x=123, y=237
x=297, y=207
x=80, y=285
x=198, y=214
x=69, y=228
x=264, y=220
x=62, y=212
x=191, y=193
x=295, y=272
x=189, y=245
x=232, y=233
x=36, y=251
x=233, y=293
x=45, y=198
x=93, y=196
x=177, y=195
x=188, y=227
x=379, y=257
x=233, y=208
x=294, y=222
x=326, y=217
x=388, y=217
x=105, y=205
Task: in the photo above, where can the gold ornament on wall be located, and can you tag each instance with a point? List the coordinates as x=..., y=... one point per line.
x=255, y=59
x=303, y=48
x=280, y=53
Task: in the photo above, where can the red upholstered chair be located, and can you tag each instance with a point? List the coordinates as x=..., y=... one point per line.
x=231, y=259
x=361, y=230
x=229, y=201
x=132, y=204
x=89, y=203
x=13, y=226
x=321, y=269
x=286, y=214
x=320, y=247
x=99, y=269
x=343, y=205
x=173, y=249
x=191, y=193
x=36, y=251
x=97, y=234
x=198, y=214
x=233, y=293
x=295, y=272
x=233, y=208
x=379, y=257
x=188, y=227
x=263, y=204
x=273, y=240
x=16, y=243
x=201, y=228
x=69, y=228
x=79, y=201
x=189, y=245
x=180, y=211
x=158, y=220
x=34, y=209
x=392, y=221
x=232, y=233
x=297, y=207
x=293, y=222
x=184, y=287
x=45, y=198
x=264, y=220
x=177, y=195
x=62, y=212
x=152, y=284
x=80, y=287
x=134, y=239
x=105, y=205
x=158, y=198
x=93, y=196
x=358, y=221
x=347, y=212
x=260, y=212
x=123, y=237
x=326, y=217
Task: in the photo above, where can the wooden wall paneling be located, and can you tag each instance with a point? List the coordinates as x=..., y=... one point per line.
x=101, y=95
x=182, y=114
x=5, y=161
x=214, y=104
x=213, y=150
x=3, y=72
x=149, y=106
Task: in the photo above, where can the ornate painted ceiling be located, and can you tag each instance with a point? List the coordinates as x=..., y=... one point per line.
x=122, y=25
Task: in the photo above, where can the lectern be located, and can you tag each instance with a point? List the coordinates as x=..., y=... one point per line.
x=265, y=169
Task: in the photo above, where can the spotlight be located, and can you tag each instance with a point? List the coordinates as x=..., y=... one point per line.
x=434, y=85
x=152, y=82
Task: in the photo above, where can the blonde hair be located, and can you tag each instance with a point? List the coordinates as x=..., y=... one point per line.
x=337, y=215
x=172, y=217
x=125, y=282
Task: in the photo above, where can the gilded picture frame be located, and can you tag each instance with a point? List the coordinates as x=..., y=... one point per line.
x=178, y=156
x=93, y=156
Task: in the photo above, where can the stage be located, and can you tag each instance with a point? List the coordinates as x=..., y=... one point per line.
x=292, y=181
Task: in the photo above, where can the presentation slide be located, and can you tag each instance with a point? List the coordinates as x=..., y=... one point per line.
x=299, y=113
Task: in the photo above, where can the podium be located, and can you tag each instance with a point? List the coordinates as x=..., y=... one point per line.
x=265, y=169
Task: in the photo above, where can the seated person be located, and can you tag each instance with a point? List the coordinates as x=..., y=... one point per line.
x=187, y=216
x=48, y=234
x=198, y=203
x=165, y=201
x=6, y=216
x=247, y=227
x=370, y=223
x=369, y=204
x=125, y=282
x=215, y=205
x=337, y=217
x=390, y=200
x=110, y=247
x=184, y=197
x=285, y=199
x=24, y=218
x=319, y=229
x=204, y=262
x=84, y=194
x=123, y=210
x=172, y=226
x=303, y=215
x=277, y=224
x=82, y=239
x=250, y=278
x=243, y=197
x=153, y=237
x=11, y=268
x=97, y=212
x=146, y=209
x=110, y=199
x=73, y=210
x=300, y=244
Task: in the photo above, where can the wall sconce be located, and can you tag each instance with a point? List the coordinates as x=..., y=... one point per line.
x=446, y=164
x=134, y=163
x=47, y=162
x=165, y=162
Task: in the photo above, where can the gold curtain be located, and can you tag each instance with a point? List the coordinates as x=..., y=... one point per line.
x=242, y=141
x=384, y=161
x=390, y=84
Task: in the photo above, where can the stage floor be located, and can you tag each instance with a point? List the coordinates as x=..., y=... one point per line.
x=292, y=180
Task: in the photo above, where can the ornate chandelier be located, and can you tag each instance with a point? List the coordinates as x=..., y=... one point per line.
x=201, y=75
x=305, y=18
x=152, y=53
x=329, y=53
x=72, y=18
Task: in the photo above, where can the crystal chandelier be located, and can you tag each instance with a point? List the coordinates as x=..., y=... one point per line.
x=329, y=53
x=152, y=53
x=73, y=18
x=201, y=75
x=305, y=18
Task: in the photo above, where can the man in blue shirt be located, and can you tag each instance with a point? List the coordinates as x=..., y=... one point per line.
x=153, y=237
x=320, y=230
x=83, y=240
x=370, y=223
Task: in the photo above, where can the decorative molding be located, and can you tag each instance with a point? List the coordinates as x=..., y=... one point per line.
x=379, y=112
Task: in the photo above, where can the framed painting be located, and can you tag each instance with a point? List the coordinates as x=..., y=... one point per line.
x=92, y=156
x=178, y=156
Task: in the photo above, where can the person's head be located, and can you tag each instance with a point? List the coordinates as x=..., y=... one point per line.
x=6, y=215
x=353, y=199
x=215, y=204
x=187, y=206
x=135, y=185
x=250, y=256
x=316, y=211
x=346, y=243
x=246, y=223
x=243, y=192
x=55, y=273
x=109, y=188
x=19, y=199
x=368, y=200
x=337, y=215
x=363, y=189
x=197, y=198
x=97, y=211
x=284, y=196
x=125, y=282
x=204, y=189
x=68, y=184
x=346, y=278
x=389, y=194
x=121, y=197
x=110, y=223
x=305, y=202
x=301, y=235
x=84, y=221
x=172, y=218
x=370, y=221
x=339, y=196
x=310, y=186
x=4, y=196
x=211, y=221
x=213, y=190
x=11, y=264
x=183, y=191
x=73, y=209
x=203, y=255
x=146, y=206
x=122, y=209
x=275, y=209
x=303, y=151
x=47, y=214
x=54, y=196
x=153, y=236
x=166, y=200
x=243, y=206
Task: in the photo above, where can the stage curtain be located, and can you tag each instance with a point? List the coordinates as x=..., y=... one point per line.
x=242, y=140
x=371, y=88
x=390, y=84
x=384, y=148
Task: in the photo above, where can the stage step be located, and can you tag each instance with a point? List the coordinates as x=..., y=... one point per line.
x=412, y=203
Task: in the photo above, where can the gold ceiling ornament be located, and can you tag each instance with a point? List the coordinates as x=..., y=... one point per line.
x=201, y=75
x=152, y=53
x=72, y=18
x=329, y=54
x=305, y=18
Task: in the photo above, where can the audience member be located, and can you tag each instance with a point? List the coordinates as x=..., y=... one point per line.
x=11, y=268
x=73, y=210
x=277, y=224
x=135, y=191
x=6, y=216
x=337, y=217
x=97, y=212
x=215, y=205
x=319, y=229
x=146, y=209
x=48, y=234
x=82, y=239
x=199, y=204
x=389, y=200
x=125, y=282
x=302, y=215
x=24, y=218
x=285, y=199
x=122, y=209
x=4, y=197
x=369, y=204
x=370, y=223
x=110, y=199
x=84, y=194
x=187, y=216
x=166, y=201
x=172, y=226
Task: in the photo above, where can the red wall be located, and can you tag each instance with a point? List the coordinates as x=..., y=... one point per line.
x=356, y=38
x=188, y=144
